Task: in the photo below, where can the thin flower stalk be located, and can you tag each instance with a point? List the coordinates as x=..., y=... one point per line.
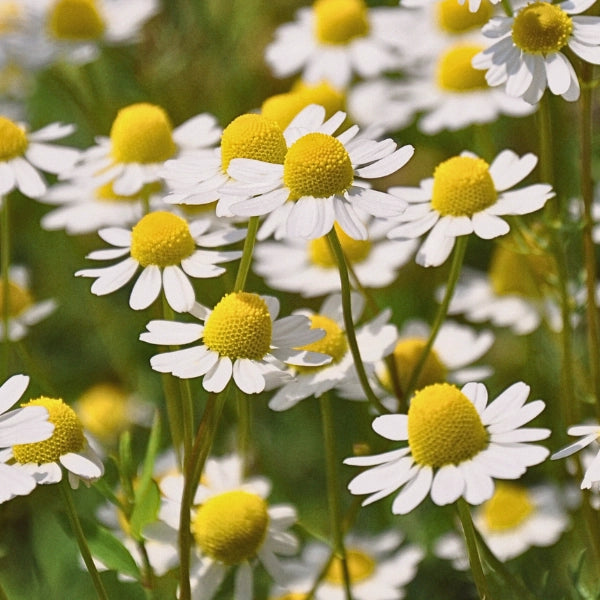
x=246, y=260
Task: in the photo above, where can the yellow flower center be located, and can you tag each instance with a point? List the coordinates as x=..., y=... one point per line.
x=76, y=20
x=360, y=567
x=239, y=326
x=322, y=93
x=340, y=21
x=106, y=193
x=231, y=527
x=291, y=596
x=161, y=238
x=142, y=133
x=10, y=16
x=444, y=427
x=253, y=136
x=19, y=299
x=102, y=410
x=317, y=165
x=508, y=507
x=455, y=72
x=333, y=343
x=13, y=141
x=462, y=186
x=67, y=436
x=456, y=18
x=355, y=251
x=541, y=28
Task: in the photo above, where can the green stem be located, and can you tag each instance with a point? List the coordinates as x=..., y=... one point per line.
x=455, y=269
x=244, y=428
x=81, y=541
x=5, y=297
x=3, y=594
x=246, y=260
x=333, y=487
x=507, y=8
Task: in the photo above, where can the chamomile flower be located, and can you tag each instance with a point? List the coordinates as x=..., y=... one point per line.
x=308, y=267
x=375, y=340
x=528, y=54
x=467, y=195
x=457, y=446
x=336, y=39
x=318, y=182
x=241, y=338
x=588, y=434
x=166, y=247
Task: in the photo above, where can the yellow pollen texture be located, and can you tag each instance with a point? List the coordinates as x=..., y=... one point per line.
x=76, y=20
x=360, y=567
x=161, y=238
x=355, y=251
x=67, y=436
x=406, y=355
x=239, y=326
x=462, y=186
x=541, y=28
x=338, y=22
x=317, y=165
x=444, y=427
x=103, y=411
x=253, y=136
x=455, y=72
x=232, y=526
x=13, y=141
x=19, y=299
x=456, y=18
x=142, y=133
x=333, y=343
x=507, y=508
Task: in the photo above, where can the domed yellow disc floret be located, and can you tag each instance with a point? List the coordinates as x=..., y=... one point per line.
x=106, y=193
x=103, y=412
x=333, y=343
x=19, y=299
x=456, y=18
x=317, y=165
x=340, y=21
x=462, y=186
x=355, y=251
x=161, y=238
x=253, y=136
x=508, y=507
x=541, y=28
x=67, y=436
x=239, y=326
x=231, y=527
x=142, y=133
x=444, y=427
x=455, y=72
x=76, y=20
x=13, y=141
x=360, y=567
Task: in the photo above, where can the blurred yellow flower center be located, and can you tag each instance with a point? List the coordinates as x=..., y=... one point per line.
x=253, y=136
x=103, y=412
x=444, y=427
x=291, y=596
x=360, y=567
x=161, y=238
x=232, y=526
x=455, y=72
x=13, y=141
x=76, y=20
x=10, y=16
x=508, y=507
x=330, y=98
x=456, y=18
x=317, y=165
x=355, y=251
x=282, y=108
x=541, y=28
x=340, y=21
x=19, y=299
x=67, y=436
x=333, y=343
x=142, y=133
x=239, y=326
x=462, y=186
x=106, y=193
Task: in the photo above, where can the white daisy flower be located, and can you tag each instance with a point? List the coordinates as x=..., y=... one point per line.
x=22, y=425
x=457, y=446
x=241, y=338
x=169, y=250
x=588, y=434
x=141, y=140
x=23, y=311
x=375, y=340
x=528, y=54
x=23, y=155
x=336, y=39
x=321, y=180
x=466, y=195
x=309, y=268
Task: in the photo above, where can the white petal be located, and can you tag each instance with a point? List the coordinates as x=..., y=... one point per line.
x=247, y=376
x=391, y=427
x=414, y=492
x=448, y=485
x=171, y=333
x=219, y=375
x=178, y=289
x=146, y=289
x=488, y=226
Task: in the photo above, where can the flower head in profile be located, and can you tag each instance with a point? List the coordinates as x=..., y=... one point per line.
x=169, y=250
x=457, y=446
x=587, y=434
x=528, y=55
x=241, y=338
x=467, y=195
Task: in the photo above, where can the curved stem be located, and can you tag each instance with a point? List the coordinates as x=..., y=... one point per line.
x=246, y=260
